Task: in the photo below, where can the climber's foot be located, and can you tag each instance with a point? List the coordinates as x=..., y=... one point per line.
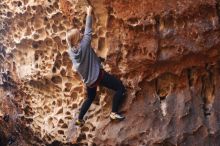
x=79, y=122
x=116, y=116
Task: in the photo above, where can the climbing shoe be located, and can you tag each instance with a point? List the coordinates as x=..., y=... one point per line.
x=79, y=122
x=116, y=116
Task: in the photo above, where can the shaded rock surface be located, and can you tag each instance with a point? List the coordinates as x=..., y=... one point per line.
x=165, y=52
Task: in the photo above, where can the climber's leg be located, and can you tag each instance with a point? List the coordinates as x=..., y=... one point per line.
x=91, y=93
x=113, y=83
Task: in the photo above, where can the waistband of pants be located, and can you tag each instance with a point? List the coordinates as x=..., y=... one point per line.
x=100, y=77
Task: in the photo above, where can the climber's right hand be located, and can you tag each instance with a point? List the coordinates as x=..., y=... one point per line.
x=89, y=10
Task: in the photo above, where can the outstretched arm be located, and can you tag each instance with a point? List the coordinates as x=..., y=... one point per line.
x=86, y=40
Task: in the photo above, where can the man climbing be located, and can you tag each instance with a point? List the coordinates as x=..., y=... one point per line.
x=88, y=66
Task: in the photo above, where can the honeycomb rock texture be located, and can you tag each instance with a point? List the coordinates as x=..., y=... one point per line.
x=166, y=52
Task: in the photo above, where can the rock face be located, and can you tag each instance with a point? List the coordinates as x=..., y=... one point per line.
x=166, y=52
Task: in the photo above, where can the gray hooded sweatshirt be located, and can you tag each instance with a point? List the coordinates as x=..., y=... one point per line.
x=85, y=61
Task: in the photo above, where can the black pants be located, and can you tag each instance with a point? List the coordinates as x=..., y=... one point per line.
x=110, y=82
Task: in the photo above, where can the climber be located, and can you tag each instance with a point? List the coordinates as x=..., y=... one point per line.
x=89, y=67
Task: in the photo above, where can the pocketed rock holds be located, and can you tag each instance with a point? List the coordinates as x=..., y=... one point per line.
x=6, y=118
x=165, y=52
